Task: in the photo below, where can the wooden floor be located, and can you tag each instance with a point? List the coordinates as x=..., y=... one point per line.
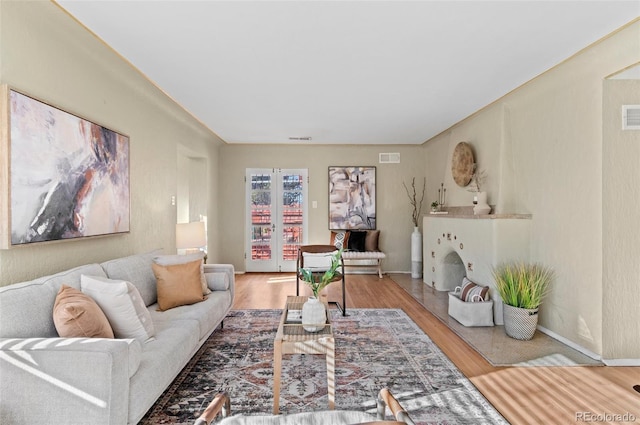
x=531, y=395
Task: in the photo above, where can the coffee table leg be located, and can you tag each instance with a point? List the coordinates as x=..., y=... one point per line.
x=277, y=372
x=331, y=372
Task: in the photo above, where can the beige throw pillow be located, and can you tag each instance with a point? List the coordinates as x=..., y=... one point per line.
x=178, y=284
x=76, y=315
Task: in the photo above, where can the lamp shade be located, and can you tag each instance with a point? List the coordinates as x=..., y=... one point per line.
x=190, y=235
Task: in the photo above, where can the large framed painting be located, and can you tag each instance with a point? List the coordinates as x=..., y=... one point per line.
x=62, y=176
x=352, y=198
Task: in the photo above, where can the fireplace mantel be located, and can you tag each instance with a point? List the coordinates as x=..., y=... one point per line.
x=467, y=213
x=481, y=216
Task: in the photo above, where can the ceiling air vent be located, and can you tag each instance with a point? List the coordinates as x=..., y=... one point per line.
x=631, y=117
x=389, y=158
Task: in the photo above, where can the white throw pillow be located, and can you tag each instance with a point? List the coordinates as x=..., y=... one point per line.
x=172, y=260
x=317, y=261
x=122, y=304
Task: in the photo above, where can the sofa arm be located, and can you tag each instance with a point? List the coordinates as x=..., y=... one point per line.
x=222, y=268
x=66, y=380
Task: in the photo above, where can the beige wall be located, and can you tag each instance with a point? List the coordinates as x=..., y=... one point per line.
x=542, y=148
x=393, y=209
x=47, y=54
x=621, y=227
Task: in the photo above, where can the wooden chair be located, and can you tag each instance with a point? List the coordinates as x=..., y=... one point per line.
x=322, y=249
x=221, y=404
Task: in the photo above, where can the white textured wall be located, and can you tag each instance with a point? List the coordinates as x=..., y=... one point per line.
x=47, y=54
x=542, y=148
x=393, y=209
x=621, y=226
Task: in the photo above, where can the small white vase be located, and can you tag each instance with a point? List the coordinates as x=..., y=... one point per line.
x=482, y=207
x=313, y=315
x=416, y=253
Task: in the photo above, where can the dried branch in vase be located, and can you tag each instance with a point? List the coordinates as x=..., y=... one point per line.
x=413, y=199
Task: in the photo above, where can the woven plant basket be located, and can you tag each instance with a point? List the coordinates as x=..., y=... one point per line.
x=520, y=323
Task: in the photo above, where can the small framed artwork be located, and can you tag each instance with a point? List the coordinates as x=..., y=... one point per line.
x=352, y=198
x=61, y=176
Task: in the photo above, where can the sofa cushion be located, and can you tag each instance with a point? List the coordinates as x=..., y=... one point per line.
x=178, y=284
x=207, y=313
x=26, y=308
x=169, y=260
x=122, y=304
x=217, y=281
x=162, y=359
x=137, y=270
x=77, y=315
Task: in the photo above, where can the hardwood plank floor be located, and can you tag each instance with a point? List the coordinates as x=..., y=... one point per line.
x=531, y=395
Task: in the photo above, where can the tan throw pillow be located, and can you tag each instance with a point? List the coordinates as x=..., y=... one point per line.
x=170, y=260
x=76, y=315
x=371, y=240
x=178, y=284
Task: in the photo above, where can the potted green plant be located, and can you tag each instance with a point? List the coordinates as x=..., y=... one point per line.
x=522, y=287
x=435, y=206
x=313, y=312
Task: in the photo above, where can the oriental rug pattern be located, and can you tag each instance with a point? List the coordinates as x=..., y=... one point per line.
x=375, y=348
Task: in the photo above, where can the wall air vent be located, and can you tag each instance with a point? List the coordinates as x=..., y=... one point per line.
x=303, y=139
x=631, y=117
x=389, y=158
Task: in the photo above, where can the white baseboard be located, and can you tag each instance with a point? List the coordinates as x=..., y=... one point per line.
x=621, y=362
x=570, y=343
x=607, y=362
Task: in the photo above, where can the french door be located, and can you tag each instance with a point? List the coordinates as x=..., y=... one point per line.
x=276, y=201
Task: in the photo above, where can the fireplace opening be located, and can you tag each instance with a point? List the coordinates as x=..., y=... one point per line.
x=453, y=271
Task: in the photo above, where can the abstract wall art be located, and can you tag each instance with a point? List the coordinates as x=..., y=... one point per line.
x=352, y=198
x=67, y=177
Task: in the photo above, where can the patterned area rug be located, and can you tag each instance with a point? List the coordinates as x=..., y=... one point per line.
x=375, y=348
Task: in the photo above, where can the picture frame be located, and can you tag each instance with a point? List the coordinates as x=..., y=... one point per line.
x=62, y=177
x=352, y=197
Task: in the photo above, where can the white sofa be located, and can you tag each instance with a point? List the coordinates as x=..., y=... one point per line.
x=53, y=380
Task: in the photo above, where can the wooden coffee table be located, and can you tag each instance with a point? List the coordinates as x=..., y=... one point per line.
x=291, y=338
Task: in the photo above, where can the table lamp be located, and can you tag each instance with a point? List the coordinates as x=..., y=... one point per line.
x=191, y=237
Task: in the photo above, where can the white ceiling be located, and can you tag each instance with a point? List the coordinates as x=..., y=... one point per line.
x=344, y=71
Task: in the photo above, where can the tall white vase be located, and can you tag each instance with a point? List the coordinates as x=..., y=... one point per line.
x=313, y=315
x=482, y=207
x=416, y=253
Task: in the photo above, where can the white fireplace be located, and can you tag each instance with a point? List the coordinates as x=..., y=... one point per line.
x=458, y=245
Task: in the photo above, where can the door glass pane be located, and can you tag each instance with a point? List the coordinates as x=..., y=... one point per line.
x=291, y=215
x=261, y=217
x=261, y=243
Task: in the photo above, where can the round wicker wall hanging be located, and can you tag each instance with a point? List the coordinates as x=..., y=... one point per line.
x=462, y=164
